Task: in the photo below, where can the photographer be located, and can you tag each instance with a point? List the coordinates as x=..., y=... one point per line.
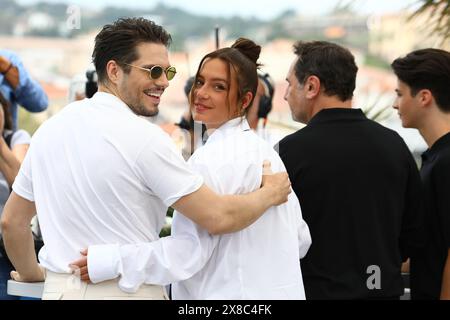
x=13, y=147
x=83, y=86
x=258, y=113
x=17, y=87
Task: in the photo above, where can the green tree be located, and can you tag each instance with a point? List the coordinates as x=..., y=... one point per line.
x=438, y=12
x=28, y=121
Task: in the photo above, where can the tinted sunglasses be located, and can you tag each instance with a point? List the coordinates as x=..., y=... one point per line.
x=156, y=71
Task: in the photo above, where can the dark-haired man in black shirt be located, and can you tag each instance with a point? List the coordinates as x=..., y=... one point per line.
x=357, y=182
x=423, y=102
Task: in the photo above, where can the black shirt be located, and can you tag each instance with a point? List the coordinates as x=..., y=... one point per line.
x=359, y=190
x=427, y=266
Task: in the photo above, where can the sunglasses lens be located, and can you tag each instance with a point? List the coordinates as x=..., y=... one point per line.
x=156, y=72
x=170, y=73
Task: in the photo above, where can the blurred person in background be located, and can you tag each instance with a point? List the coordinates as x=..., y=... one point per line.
x=18, y=88
x=194, y=133
x=83, y=86
x=13, y=147
x=258, y=112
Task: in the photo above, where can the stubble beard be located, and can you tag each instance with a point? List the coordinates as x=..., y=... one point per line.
x=139, y=108
x=142, y=111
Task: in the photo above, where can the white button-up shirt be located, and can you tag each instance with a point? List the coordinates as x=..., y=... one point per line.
x=262, y=260
x=259, y=262
x=99, y=174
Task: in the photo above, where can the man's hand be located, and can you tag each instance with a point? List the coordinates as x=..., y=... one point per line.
x=10, y=72
x=405, y=267
x=278, y=183
x=81, y=266
x=4, y=64
x=39, y=276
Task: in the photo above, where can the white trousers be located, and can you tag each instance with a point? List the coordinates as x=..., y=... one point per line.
x=62, y=286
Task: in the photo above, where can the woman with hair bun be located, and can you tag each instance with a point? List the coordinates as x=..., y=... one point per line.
x=261, y=261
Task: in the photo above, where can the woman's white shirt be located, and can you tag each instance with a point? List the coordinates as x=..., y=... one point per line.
x=260, y=261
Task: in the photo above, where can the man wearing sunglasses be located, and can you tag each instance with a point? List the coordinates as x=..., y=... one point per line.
x=98, y=174
x=156, y=71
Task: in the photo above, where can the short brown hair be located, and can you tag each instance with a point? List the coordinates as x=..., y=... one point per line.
x=426, y=69
x=334, y=65
x=118, y=41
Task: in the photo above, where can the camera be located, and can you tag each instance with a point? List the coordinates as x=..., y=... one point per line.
x=91, y=86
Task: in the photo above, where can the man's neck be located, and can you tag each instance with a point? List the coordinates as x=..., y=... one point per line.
x=330, y=102
x=111, y=89
x=105, y=88
x=434, y=128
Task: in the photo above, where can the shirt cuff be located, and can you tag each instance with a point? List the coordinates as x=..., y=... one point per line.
x=104, y=262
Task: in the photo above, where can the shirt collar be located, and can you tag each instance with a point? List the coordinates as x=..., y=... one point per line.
x=225, y=129
x=336, y=114
x=111, y=101
x=440, y=144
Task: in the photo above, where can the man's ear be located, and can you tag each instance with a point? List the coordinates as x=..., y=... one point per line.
x=312, y=87
x=114, y=71
x=246, y=99
x=425, y=97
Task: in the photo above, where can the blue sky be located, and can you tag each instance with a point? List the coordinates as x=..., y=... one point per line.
x=265, y=9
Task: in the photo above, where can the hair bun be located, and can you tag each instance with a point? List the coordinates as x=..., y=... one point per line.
x=248, y=48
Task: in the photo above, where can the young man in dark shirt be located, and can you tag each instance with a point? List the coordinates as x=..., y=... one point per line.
x=357, y=182
x=423, y=102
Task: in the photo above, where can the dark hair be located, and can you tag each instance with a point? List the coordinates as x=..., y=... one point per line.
x=118, y=41
x=91, y=85
x=265, y=102
x=334, y=65
x=8, y=125
x=426, y=69
x=242, y=56
x=188, y=85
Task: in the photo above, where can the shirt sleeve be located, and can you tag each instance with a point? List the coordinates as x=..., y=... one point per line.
x=164, y=171
x=28, y=93
x=170, y=259
x=20, y=137
x=304, y=236
x=23, y=185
